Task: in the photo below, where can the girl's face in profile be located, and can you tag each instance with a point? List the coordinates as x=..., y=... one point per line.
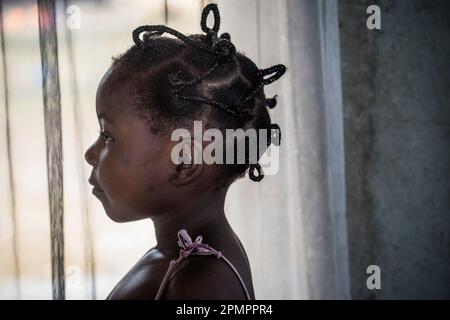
x=130, y=165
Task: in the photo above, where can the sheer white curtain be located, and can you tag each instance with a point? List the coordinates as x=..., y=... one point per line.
x=293, y=224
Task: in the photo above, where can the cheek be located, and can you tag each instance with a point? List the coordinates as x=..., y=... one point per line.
x=135, y=180
x=105, y=165
x=129, y=177
x=113, y=171
x=122, y=185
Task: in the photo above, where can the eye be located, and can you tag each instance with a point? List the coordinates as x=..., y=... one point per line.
x=105, y=135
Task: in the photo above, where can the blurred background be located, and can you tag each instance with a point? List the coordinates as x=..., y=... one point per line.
x=364, y=174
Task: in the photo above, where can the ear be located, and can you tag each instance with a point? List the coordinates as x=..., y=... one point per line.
x=186, y=173
x=189, y=170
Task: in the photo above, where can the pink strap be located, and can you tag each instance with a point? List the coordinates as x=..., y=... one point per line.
x=187, y=247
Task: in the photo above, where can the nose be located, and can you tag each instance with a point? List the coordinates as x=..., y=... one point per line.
x=91, y=155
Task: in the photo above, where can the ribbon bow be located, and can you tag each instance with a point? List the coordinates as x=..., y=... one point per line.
x=187, y=246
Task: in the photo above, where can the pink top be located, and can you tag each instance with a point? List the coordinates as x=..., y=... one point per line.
x=187, y=247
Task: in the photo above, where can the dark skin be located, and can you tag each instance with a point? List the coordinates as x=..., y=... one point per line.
x=134, y=178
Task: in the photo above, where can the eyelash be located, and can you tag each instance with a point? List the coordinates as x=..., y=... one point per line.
x=105, y=136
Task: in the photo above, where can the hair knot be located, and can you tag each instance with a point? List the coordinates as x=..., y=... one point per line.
x=275, y=135
x=224, y=50
x=251, y=172
x=210, y=7
x=271, y=102
x=274, y=73
x=225, y=36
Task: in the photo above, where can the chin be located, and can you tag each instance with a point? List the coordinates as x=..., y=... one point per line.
x=117, y=219
x=121, y=218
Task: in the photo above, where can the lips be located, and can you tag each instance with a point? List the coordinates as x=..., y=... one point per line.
x=93, y=183
x=97, y=191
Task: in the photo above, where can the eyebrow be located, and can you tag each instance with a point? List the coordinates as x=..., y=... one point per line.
x=105, y=117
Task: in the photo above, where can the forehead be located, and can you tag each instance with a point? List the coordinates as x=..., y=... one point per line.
x=115, y=105
x=113, y=98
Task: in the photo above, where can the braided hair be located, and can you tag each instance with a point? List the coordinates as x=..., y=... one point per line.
x=199, y=77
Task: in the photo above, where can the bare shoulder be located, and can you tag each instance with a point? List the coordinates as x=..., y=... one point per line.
x=204, y=278
x=142, y=281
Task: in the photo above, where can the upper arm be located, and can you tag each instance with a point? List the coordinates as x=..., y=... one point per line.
x=204, y=278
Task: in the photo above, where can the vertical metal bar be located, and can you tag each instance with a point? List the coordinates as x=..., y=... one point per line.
x=53, y=134
x=10, y=163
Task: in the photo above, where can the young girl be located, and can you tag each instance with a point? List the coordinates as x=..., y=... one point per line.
x=158, y=85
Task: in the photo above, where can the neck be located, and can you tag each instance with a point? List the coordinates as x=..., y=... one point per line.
x=205, y=217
